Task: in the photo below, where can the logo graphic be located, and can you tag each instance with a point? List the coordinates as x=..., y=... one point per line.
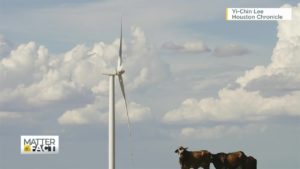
x=39, y=144
x=27, y=148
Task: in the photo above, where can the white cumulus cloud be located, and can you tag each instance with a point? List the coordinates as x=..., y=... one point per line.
x=235, y=105
x=285, y=58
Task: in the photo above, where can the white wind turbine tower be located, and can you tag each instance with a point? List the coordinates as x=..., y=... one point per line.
x=111, y=122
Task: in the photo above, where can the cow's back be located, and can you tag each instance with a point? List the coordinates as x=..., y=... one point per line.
x=235, y=159
x=202, y=157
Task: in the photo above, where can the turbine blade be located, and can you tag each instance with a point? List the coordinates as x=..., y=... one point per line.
x=120, y=61
x=124, y=96
x=120, y=71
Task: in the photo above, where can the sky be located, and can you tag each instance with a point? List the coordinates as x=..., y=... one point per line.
x=192, y=79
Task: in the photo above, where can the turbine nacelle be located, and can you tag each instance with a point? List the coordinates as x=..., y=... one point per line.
x=114, y=73
x=120, y=72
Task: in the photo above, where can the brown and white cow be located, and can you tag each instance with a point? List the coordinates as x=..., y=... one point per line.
x=193, y=159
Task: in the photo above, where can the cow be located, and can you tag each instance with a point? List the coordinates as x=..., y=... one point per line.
x=232, y=160
x=250, y=163
x=193, y=159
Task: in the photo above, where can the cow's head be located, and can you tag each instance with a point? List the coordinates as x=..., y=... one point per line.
x=180, y=150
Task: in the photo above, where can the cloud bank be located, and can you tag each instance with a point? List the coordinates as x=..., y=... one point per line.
x=72, y=82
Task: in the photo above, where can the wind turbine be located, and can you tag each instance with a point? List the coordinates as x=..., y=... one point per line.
x=111, y=118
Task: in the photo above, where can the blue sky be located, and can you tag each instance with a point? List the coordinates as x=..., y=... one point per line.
x=192, y=79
